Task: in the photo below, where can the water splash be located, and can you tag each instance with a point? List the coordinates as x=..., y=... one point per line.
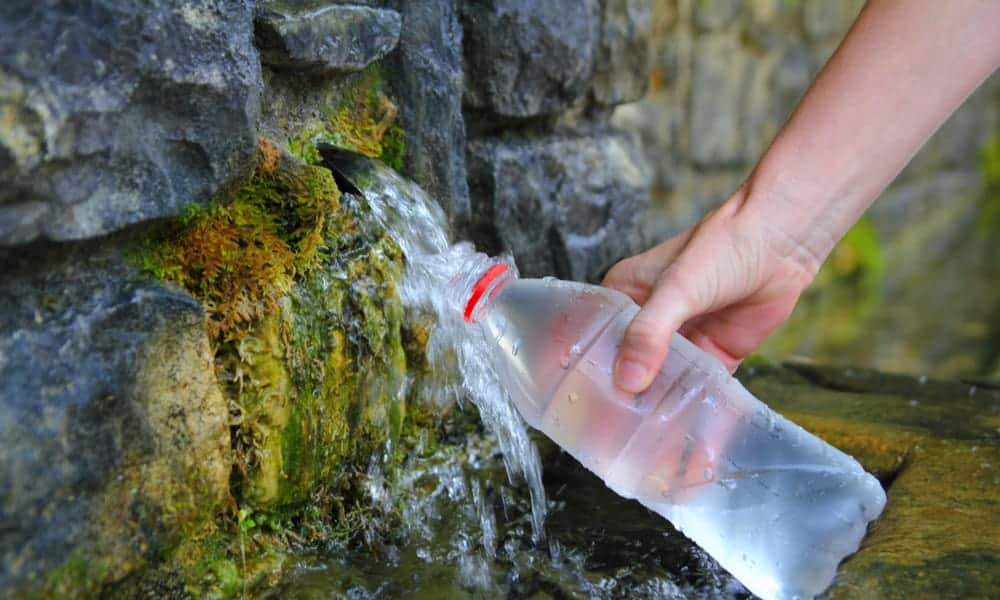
x=436, y=277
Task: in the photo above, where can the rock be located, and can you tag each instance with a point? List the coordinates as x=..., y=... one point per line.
x=757, y=121
x=934, y=446
x=960, y=141
x=763, y=12
x=425, y=75
x=113, y=115
x=791, y=78
x=821, y=18
x=565, y=206
x=717, y=85
x=114, y=437
x=716, y=14
x=525, y=58
x=621, y=63
x=333, y=38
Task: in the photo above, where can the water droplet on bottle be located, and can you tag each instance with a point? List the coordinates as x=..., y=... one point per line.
x=575, y=349
x=708, y=473
x=564, y=361
x=516, y=347
x=572, y=397
x=729, y=484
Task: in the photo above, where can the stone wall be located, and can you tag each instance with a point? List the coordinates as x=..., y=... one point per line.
x=725, y=74
x=157, y=393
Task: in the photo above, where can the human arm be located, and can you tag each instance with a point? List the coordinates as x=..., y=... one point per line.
x=726, y=284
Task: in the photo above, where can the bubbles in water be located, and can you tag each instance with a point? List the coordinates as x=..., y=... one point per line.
x=575, y=349
x=564, y=361
x=515, y=347
x=922, y=379
x=708, y=473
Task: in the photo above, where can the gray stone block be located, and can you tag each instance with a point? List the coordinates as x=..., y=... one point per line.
x=564, y=206
x=114, y=114
x=717, y=85
x=621, y=65
x=113, y=431
x=425, y=76
x=716, y=14
x=332, y=38
x=525, y=58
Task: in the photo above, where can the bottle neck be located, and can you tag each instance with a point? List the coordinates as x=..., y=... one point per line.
x=490, y=282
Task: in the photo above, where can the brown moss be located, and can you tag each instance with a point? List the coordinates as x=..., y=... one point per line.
x=239, y=256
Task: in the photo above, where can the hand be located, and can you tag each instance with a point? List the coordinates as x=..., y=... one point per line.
x=725, y=284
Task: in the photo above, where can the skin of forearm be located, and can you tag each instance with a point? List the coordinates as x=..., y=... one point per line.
x=902, y=69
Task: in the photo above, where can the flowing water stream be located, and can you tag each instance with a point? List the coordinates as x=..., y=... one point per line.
x=477, y=520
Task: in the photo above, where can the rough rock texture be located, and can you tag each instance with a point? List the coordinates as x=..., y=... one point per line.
x=717, y=83
x=425, y=73
x=621, y=65
x=113, y=114
x=715, y=14
x=332, y=38
x=526, y=58
x=563, y=205
x=934, y=445
x=114, y=436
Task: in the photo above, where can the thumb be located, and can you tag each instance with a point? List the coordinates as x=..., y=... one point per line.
x=647, y=338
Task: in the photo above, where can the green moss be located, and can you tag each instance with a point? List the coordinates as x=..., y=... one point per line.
x=239, y=255
x=393, y=147
x=362, y=121
x=299, y=287
x=989, y=162
x=79, y=576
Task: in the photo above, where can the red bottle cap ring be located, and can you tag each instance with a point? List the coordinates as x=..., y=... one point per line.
x=480, y=288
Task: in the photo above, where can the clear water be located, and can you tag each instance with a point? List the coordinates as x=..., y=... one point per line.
x=478, y=522
x=437, y=274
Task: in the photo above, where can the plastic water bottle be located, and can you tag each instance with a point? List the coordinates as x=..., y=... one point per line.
x=776, y=506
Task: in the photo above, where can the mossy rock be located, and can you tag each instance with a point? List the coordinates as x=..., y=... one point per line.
x=935, y=445
x=299, y=284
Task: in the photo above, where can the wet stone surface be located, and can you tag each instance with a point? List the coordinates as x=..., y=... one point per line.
x=113, y=436
x=936, y=445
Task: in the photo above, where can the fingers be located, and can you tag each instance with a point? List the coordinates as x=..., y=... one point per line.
x=647, y=338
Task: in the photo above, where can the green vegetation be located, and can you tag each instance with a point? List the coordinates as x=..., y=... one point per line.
x=240, y=256
x=364, y=121
x=845, y=293
x=299, y=289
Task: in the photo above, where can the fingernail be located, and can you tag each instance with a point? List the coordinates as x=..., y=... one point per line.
x=631, y=376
